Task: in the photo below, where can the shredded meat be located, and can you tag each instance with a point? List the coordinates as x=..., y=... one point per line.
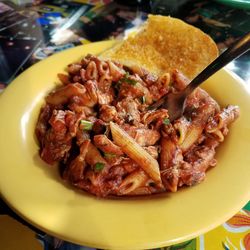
x=108, y=113
x=42, y=123
x=128, y=110
x=195, y=165
x=75, y=170
x=107, y=146
x=57, y=141
x=143, y=136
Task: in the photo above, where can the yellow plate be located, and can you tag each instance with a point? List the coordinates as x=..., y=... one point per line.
x=37, y=193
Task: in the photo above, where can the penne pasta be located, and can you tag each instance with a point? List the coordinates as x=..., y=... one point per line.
x=171, y=179
x=181, y=126
x=180, y=81
x=93, y=156
x=154, y=115
x=218, y=135
x=91, y=71
x=170, y=159
x=140, y=191
x=103, y=68
x=115, y=71
x=106, y=145
x=64, y=93
x=135, y=180
x=203, y=113
x=223, y=119
x=92, y=89
x=192, y=135
x=136, y=152
x=171, y=154
x=164, y=80
x=104, y=82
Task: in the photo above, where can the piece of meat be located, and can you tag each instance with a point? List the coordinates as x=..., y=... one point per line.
x=153, y=151
x=129, y=165
x=223, y=118
x=72, y=121
x=55, y=151
x=144, y=74
x=127, y=110
x=93, y=156
x=143, y=136
x=180, y=81
x=42, y=123
x=105, y=97
x=196, y=163
x=115, y=71
x=108, y=113
x=57, y=141
x=104, y=83
x=81, y=136
x=74, y=68
x=74, y=171
x=99, y=127
x=64, y=93
x=199, y=98
x=65, y=79
x=154, y=116
x=58, y=125
x=136, y=89
x=107, y=146
x=160, y=87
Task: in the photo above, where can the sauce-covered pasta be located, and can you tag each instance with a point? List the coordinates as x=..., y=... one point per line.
x=97, y=127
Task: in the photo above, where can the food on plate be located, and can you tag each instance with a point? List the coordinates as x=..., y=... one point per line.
x=97, y=127
x=164, y=44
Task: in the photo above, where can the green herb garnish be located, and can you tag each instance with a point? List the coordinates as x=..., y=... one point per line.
x=143, y=99
x=99, y=166
x=109, y=155
x=86, y=125
x=128, y=80
x=166, y=121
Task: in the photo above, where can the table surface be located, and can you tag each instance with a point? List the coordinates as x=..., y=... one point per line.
x=31, y=32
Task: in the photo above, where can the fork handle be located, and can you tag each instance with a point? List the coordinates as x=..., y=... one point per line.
x=240, y=47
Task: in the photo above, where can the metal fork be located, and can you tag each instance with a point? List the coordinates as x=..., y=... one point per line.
x=175, y=102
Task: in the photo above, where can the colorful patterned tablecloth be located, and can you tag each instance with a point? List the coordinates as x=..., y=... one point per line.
x=233, y=234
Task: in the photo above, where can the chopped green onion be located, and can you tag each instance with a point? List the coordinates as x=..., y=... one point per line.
x=166, y=121
x=143, y=99
x=109, y=155
x=126, y=79
x=126, y=75
x=86, y=125
x=99, y=166
x=130, y=81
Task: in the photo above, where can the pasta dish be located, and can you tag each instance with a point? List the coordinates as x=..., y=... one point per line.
x=98, y=128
